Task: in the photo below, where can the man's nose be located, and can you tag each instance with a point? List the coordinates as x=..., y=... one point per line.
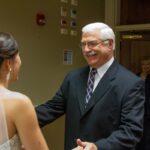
x=86, y=48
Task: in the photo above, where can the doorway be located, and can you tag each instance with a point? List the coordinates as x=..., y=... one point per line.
x=134, y=47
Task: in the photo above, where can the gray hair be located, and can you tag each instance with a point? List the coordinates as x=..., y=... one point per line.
x=106, y=32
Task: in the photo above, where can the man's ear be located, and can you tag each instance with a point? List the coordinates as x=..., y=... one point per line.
x=110, y=43
x=106, y=42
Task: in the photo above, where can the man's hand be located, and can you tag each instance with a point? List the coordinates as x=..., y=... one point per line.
x=78, y=148
x=22, y=147
x=86, y=145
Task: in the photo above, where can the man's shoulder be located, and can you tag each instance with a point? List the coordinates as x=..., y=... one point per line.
x=127, y=74
x=80, y=70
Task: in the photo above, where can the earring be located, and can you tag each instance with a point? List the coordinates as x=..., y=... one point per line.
x=8, y=75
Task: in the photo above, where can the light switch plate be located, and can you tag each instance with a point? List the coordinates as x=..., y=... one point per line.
x=74, y=2
x=73, y=13
x=73, y=33
x=64, y=1
x=64, y=31
x=73, y=24
x=63, y=23
x=63, y=11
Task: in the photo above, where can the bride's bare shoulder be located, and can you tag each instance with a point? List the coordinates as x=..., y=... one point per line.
x=17, y=99
x=15, y=103
x=18, y=96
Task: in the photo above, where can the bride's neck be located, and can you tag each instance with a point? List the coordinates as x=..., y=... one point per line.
x=3, y=81
x=4, y=77
x=3, y=84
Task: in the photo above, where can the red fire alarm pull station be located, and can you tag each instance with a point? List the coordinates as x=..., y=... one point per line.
x=40, y=19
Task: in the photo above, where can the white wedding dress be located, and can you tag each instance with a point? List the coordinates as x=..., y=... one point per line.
x=6, y=143
x=13, y=144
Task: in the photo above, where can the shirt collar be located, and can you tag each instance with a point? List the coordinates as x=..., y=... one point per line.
x=101, y=70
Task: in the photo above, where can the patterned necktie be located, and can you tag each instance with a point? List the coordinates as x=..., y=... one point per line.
x=90, y=84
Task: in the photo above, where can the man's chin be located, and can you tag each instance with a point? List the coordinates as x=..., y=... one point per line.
x=93, y=65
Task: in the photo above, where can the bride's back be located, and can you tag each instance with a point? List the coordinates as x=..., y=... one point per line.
x=21, y=120
x=11, y=102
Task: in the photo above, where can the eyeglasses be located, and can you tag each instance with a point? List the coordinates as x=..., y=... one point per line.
x=91, y=44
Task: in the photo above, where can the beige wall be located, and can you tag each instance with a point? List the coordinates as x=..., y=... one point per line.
x=41, y=49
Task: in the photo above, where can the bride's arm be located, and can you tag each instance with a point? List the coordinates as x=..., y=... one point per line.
x=27, y=125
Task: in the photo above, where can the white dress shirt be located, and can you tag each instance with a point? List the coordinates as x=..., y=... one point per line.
x=101, y=71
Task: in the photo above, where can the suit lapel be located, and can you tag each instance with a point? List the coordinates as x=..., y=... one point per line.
x=104, y=85
x=81, y=88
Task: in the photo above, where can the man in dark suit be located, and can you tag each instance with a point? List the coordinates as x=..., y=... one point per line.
x=112, y=119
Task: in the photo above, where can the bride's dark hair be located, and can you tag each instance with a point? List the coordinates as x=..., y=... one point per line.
x=8, y=46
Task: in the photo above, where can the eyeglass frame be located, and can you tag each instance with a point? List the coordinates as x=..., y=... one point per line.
x=91, y=44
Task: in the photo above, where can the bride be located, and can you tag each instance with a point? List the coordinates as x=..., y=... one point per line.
x=18, y=122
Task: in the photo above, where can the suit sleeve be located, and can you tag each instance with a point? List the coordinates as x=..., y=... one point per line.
x=53, y=108
x=130, y=129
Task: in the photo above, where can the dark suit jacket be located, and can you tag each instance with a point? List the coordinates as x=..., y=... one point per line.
x=113, y=118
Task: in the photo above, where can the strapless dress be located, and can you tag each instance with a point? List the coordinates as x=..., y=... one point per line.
x=13, y=144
